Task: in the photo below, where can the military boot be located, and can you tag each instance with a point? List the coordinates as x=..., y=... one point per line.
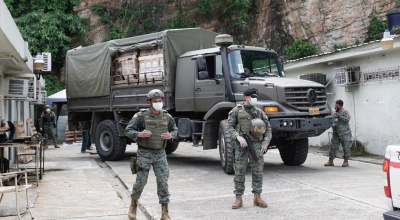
x=345, y=163
x=132, y=210
x=238, y=202
x=164, y=212
x=329, y=163
x=56, y=145
x=258, y=201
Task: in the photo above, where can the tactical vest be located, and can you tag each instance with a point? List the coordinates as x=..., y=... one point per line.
x=47, y=119
x=244, y=122
x=156, y=127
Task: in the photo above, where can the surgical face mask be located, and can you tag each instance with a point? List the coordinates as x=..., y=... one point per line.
x=158, y=106
x=253, y=101
x=47, y=110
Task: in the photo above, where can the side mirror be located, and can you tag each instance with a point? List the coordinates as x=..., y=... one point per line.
x=203, y=75
x=201, y=62
x=281, y=63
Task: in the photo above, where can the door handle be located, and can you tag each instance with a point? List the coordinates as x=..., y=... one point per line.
x=244, y=84
x=197, y=90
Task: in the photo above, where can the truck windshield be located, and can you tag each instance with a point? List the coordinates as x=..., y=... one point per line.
x=246, y=63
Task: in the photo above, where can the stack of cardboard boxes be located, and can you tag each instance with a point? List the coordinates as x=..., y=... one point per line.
x=151, y=64
x=148, y=66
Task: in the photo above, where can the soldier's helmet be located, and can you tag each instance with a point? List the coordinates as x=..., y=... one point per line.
x=155, y=93
x=258, y=127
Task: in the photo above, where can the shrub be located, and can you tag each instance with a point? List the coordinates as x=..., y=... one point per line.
x=299, y=49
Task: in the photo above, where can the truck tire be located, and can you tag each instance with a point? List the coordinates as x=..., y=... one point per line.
x=293, y=152
x=171, y=147
x=225, y=150
x=109, y=145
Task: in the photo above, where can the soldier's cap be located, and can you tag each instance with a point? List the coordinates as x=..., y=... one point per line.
x=249, y=92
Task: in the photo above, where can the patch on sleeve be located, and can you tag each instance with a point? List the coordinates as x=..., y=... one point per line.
x=169, y=115
x=135, y=116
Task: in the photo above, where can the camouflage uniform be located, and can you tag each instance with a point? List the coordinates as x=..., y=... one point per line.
x=47, y=122
x=148, y=157
x=341, y=134
x=241, y=162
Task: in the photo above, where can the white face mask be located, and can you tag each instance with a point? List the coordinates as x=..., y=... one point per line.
x=253, y=101
x=48, y=110
x=158, y=106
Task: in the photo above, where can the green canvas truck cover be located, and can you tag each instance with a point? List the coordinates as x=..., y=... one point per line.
x=88, y=68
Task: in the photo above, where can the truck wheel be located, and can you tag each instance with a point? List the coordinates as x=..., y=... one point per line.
x=225, y=150
x=109, y=145
x=171, y=147
x=293, y=152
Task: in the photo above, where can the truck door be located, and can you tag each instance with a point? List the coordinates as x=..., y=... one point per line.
x=395, y=174
x=209, y=86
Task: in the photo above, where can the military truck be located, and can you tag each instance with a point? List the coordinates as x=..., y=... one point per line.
x=203, y=77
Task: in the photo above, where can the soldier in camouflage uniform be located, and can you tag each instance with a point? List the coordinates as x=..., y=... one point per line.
x=341, y=134
x=151, y=128
x=47, y=124
x=240, y=118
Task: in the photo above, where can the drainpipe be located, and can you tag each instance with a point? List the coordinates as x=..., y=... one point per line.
x=355, y=120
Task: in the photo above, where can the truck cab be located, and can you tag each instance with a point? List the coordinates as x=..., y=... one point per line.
x=391, y=180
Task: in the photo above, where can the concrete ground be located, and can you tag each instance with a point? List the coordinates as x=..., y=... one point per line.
x=201, y=190
x=81, y=186
x=76, y=186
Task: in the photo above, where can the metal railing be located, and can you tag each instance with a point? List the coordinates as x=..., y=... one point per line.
x=135, y=79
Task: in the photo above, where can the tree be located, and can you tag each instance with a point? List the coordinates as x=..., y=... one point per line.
x=48, y=27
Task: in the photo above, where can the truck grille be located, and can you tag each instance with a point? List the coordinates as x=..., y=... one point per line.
x=297, y=97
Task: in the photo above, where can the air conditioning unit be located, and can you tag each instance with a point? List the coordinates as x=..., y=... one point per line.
x=16, y=87
x=47, y=62
x=347, y=75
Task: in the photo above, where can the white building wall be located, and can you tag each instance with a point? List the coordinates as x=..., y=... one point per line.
x=375, y=108
x=2, y=105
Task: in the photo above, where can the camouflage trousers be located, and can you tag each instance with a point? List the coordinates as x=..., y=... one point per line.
x=158, y=159
x=345, y=141
x=49, y=133
x=240, y=166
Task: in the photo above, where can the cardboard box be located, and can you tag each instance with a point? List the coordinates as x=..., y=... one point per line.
x=152, y=51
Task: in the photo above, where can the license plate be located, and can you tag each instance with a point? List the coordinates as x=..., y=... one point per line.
x=313, y=111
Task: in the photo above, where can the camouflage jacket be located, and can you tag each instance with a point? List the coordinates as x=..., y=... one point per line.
x=232, y=121
x=341, y=122
x=47, y=119
x=137, y=124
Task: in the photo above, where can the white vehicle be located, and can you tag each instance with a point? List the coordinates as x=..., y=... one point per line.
x=391, y=180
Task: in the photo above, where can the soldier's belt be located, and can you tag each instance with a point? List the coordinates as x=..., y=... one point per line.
x=152, y=150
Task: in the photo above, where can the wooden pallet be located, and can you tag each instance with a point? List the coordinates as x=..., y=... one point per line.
x=19, y=127
x=31, y=126
x=72, y=135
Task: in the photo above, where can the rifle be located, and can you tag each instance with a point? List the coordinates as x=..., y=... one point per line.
x=249, y=144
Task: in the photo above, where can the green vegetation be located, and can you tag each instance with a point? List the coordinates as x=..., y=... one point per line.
x=338, y=47
x=234, y=15
x=53, y=84
x=395, y=28
x=299, y=49
x=48, y=27
x=375, y=27
x=140, y=18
